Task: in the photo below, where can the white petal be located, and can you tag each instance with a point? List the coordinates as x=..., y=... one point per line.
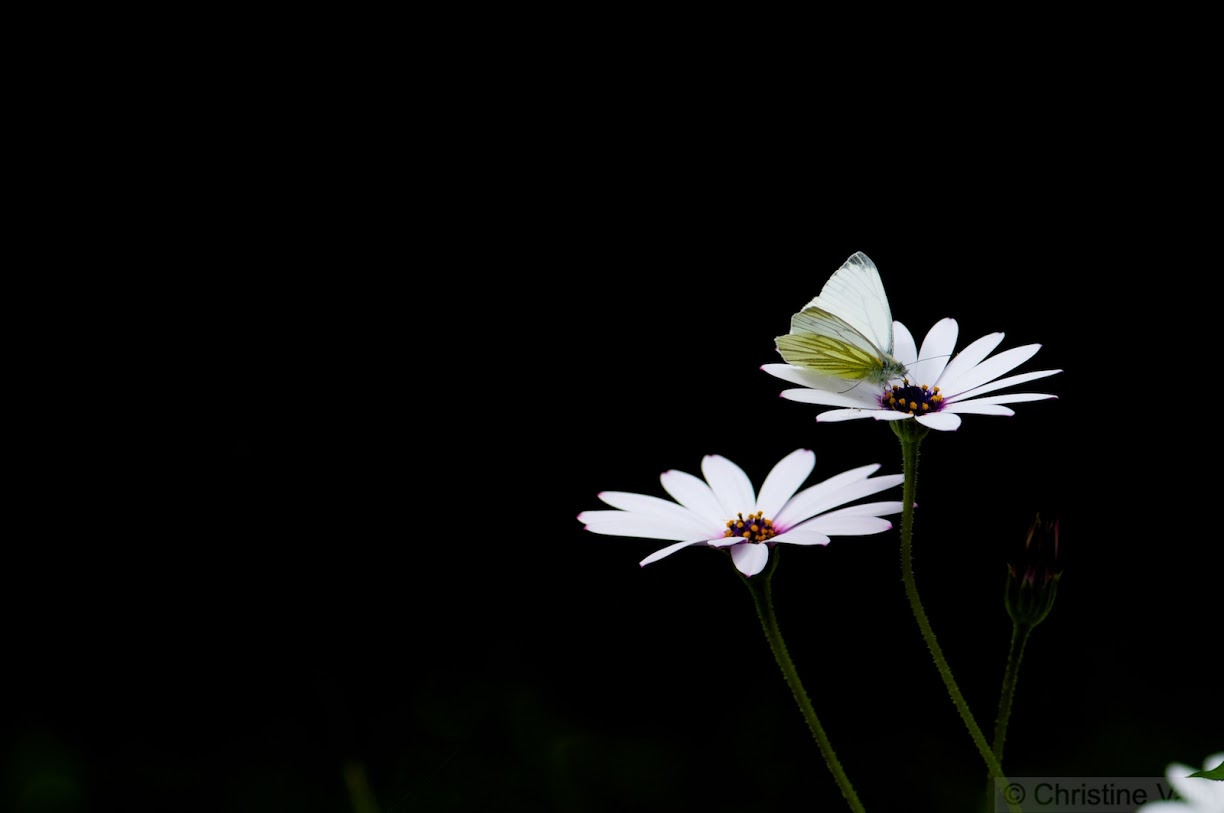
x=1009, y=398
x=655, y=507
x=845, y=525
x=804, y=378
x=802, y=536
x=835, y=415
x=990, y=369
x=784, y=481
x=725, y=541
x=729, y=484
x=668, y=551
x=977, y=408
x=868, y=509
x=750, y=558
x=943, y=421
x=623, y=523
x=903, y=345
x=968, y=358
x=890, y=415
x=839, y=490
x=833, y=399
x=1005, y=382
x=694, y=494
x=936, y=352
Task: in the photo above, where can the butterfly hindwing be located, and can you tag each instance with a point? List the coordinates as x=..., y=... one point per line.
x=826, y=355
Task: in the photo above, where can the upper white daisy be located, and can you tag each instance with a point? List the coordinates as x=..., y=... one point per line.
x=939, y=388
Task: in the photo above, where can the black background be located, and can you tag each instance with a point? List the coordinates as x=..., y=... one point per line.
x=304, y=503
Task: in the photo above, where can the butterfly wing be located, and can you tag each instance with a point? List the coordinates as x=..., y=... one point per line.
x=856, y=295
x=827, y=344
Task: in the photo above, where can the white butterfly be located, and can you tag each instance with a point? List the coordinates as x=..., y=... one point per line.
x=847, y=331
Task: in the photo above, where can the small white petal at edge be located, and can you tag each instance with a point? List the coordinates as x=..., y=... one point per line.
x=943, y=421
x=750, y=558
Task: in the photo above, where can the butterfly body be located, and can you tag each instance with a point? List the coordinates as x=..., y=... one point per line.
x=846, y=332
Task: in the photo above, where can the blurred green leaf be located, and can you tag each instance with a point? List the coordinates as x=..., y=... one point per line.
x=1216, y=773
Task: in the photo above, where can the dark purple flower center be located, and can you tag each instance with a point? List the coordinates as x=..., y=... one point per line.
x=753, y=528
x=911, y=399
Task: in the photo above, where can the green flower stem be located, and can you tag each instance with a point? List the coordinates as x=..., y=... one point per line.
x=1020, y=636
x=911, y=434
x=762, y=595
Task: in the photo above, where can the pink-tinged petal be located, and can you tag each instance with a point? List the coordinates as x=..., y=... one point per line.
x=869, y=509
x=750, y=558
x=890, y=415
x=623, y=523
x=804, y=378
x=837, y=482
x=655, y=507
x=969, y=358
x=802, y=536
x=1007, y=398
x=856, y=491
x=943, y=421
x=1005, y=382
x=729, y=484
x=837, y=490
x=833, y=399
x=725, y=541
x=668, y=551
x=846, y=525
x=990, y=369
x=694, y=494
x=977, y=408
x=903, y=344
x=837, y=415
x=784, y=480
x=936, y=352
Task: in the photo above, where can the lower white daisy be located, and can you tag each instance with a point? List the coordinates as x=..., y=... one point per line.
x=723, y=511
x=939, y=388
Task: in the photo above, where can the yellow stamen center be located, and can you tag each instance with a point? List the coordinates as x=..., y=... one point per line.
x=753, y=528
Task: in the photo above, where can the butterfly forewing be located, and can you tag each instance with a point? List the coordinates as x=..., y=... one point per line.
x=856, y=295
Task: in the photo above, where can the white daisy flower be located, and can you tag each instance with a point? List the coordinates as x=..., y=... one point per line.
x=723, y=511
x=1197, y=794
x=939, y=388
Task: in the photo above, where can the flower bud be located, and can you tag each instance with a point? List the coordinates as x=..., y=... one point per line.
x=1032, y=578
